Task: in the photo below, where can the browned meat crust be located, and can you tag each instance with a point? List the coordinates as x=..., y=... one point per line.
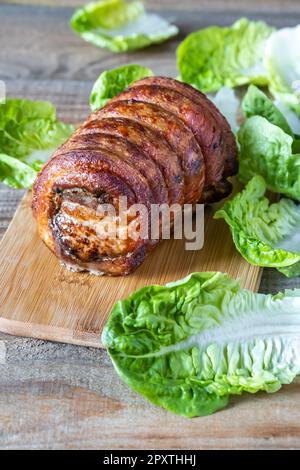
x=153, y=150
x=230, y=148
x=124, y=150
x=185, y=149
x=158, y=142
x=199, y=119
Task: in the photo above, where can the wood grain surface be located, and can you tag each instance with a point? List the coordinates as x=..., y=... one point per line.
x=63, y=396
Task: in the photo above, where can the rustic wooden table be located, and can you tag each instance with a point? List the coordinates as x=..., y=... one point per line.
x=61, y=396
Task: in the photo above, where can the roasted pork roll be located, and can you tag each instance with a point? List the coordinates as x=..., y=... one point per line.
x=160, y=142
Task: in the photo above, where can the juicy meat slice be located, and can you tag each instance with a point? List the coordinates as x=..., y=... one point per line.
x=183, y=147
x=230, y=147
x=69, y=221
x=197, y=118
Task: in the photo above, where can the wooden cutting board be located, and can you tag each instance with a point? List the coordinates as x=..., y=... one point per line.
x=41, y=299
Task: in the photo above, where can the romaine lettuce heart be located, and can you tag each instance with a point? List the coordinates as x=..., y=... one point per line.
x=229, y=105
x=15, y=173
x=189, y=345
x=290, y=116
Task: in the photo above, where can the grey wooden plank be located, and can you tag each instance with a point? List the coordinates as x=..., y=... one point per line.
x=35, y=49
x=189, y=5
x=62, y=396
x=70, y=97
x=67, y=405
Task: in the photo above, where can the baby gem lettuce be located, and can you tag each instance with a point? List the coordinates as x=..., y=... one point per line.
x=189, y=345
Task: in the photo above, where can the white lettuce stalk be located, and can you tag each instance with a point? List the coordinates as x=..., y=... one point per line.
x=282, y=61
x=291, y=117
x=120, y=26
x=229, y=105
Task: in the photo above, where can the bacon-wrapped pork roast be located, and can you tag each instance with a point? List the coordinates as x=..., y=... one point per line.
x=158, y=142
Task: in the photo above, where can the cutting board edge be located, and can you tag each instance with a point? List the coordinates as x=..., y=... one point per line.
x=49, y=333
x=56, y=333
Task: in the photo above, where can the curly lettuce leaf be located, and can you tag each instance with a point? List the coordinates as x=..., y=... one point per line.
x=29, y=134
x=224, y=56
x=282, y=61
x=256, y=103
x=266, y=150
x=265, y=234
x=112, y=82
x=120, y=26
x=189, y=345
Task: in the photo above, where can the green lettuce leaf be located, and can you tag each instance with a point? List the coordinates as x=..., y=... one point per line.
x=120, y=26
x=112, y=82
x=291, y=271
x=266, y=150
x=231, y=56
x=265, y=234
x=29, y=134
x=189, y=345
x=282, y=60
x=256, y=103
x=15, y=173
